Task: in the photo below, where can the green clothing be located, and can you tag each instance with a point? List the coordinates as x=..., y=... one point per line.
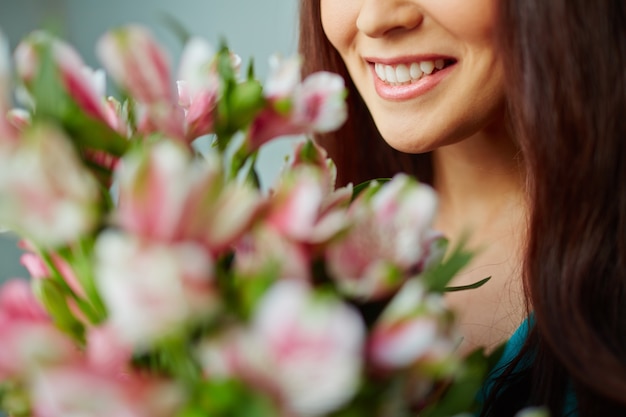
x=511, y=350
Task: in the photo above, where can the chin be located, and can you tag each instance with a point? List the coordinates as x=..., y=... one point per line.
x=412, y=145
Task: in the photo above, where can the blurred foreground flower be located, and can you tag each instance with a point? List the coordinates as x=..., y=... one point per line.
x=166, y=282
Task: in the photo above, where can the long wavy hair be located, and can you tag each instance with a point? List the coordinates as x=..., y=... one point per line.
x=565, y=62
x=565, y=66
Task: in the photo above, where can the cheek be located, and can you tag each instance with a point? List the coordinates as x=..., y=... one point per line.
x=339, y=22
x=466, y=20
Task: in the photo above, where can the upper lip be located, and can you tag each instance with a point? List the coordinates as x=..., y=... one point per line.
x=404, y=59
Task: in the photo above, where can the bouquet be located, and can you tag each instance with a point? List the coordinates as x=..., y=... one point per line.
x=167, y=281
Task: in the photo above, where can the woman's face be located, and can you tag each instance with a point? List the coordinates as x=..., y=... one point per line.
x=427, y=69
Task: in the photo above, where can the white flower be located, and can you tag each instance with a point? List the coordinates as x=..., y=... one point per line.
x=45, y=192
x=314, y=347
x=150, y=288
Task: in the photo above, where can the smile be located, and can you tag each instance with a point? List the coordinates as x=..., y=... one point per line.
x=408, y=73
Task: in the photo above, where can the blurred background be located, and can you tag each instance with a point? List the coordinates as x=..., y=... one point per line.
x=252, y=28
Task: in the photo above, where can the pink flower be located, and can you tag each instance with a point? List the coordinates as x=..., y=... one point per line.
x=17, y=302
x=319, y=104
x=77, y=390
x=313, y=343
x=389, y=240
x=198, y=87
x=106, y=353
x=29, y=338
x=310, y=153
x=303, y=349
x=314, y=105
x=84, y=85
x=302, y=209
x=45, y=192
x=166, y=195
x=39, y=270
x=158, y=189
x=265, y=251
x=137, y=63
x=151, y=288
x=141, y=66
x=415, y=328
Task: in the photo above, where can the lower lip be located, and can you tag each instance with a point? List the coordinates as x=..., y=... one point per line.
x=412, y=90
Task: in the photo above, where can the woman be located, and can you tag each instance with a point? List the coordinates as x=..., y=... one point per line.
x=523, y=139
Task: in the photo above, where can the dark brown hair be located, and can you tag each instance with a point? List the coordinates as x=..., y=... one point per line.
x=565, y=63
x=565, y=66
x=357, y=148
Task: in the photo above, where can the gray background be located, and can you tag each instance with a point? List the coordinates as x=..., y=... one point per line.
x=253, y=28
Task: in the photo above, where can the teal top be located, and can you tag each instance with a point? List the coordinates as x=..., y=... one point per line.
x=511, y=350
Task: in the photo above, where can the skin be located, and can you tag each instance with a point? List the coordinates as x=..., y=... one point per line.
x=459, y=116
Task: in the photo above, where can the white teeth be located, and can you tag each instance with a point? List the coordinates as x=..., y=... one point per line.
x=416, y=71
x=380, y=71
x=390, y=74
x=427, y=66
x=404, y=73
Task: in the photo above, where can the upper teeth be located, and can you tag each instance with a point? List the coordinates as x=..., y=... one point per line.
x=406, y=73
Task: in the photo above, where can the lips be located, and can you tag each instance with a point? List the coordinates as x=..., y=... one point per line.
x=409, y=78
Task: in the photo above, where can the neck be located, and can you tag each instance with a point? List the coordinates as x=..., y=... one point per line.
x=480, y=182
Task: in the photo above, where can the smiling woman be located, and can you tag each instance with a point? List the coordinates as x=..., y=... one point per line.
x=488, y=101
x=418, y=113
x=430, y=77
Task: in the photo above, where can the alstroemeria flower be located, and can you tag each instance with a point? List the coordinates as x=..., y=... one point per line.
x=29, y=337
x=198, y=87
x=85, y=85
x=301, y=209
x=310, y=153
x=303, y=348
x=314, y=105
x=284, y=77
x=318, y=103
x=166, y=195
x=265, y=251
x=78, y=390
x=45, y=191
x=106, y=352
x=389, y=239
x=39, y=270
x=151, y=288
x=415, y=328
x=137, y=63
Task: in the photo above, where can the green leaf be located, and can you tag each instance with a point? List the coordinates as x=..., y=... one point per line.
x=228, y=398
x=47, y=89
x=14, y=399
x=477, y=284
x=462, y=394
x=54, y=299
x=245, y=101
x=89, y=133
x=439, y=275
x=359, y=188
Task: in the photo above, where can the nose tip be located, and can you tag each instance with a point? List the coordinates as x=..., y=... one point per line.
x=379, y=17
